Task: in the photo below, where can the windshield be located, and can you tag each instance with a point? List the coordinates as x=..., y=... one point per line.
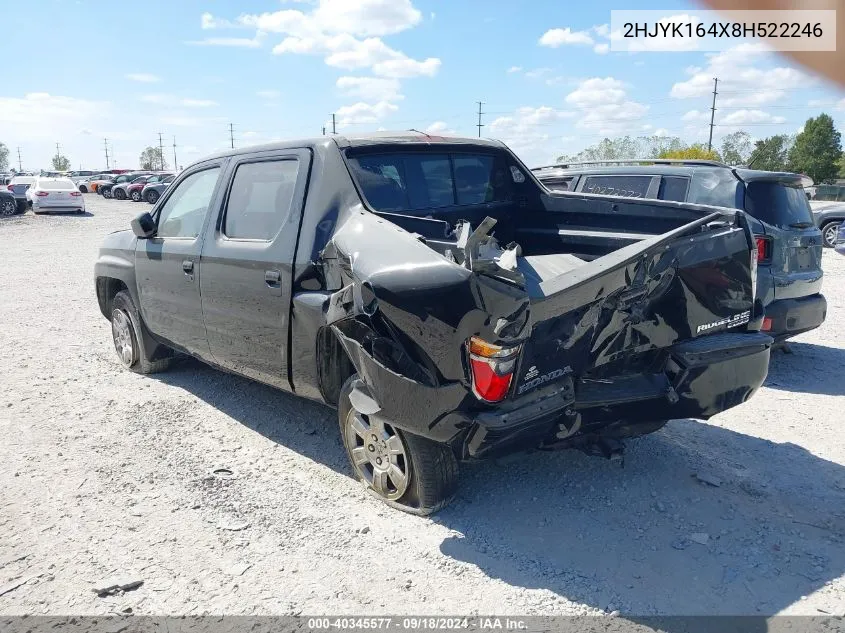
x=56, y=185
x=778, y=204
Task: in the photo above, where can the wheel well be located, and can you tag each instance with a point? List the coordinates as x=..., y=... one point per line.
x=333, y=365
x=107, y=288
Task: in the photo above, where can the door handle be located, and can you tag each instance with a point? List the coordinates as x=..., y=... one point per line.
x=188, y=266
x=272, y=277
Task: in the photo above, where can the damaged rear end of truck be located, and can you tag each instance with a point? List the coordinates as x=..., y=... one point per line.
x=537, y=321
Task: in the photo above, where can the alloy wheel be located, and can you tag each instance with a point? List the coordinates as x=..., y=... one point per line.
x=136, y=196
x=829, y=234
x=378, y=454
x=9, y=207
x=124, y=343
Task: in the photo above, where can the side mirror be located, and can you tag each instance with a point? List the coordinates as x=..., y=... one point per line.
x=144, y=226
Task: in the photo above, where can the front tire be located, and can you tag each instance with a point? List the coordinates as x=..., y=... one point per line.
x=120, y=194
x=128, y=342
x=406, y=471
x=829, y=232
x=152, y=196
x=83, y=189
x=9, y=206
x=107, y=193
x=136, y=196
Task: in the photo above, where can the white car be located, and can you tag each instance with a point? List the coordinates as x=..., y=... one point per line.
x=56, y=195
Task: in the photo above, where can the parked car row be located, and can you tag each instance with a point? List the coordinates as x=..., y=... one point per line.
x=135, y=186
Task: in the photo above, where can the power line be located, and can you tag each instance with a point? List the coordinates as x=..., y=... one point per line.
x=480, y=124
x=712, y=113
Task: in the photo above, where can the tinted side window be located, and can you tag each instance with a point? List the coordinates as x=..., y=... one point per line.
x=778, y=204
x=260, y=199
x=184, y=211
x=673, y=188
x=625, y=186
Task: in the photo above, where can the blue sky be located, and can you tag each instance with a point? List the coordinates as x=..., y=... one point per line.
x=85, y=71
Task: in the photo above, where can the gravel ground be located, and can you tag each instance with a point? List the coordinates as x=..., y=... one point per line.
x=106, y=473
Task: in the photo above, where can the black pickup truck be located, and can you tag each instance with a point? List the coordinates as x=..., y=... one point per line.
x=445, y=302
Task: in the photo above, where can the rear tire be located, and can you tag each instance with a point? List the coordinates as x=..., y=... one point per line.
x=829, y=232
x=413, y=474
x=119, y=194
x=22, y=205
x=152, y=196
x=83, y=189
x=136, y=196
x=128, y=342
x=107, y=193
x=8, y=206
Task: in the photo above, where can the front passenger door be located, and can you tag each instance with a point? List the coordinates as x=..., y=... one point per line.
x=167, y=266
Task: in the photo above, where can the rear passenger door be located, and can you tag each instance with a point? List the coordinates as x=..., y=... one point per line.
x=247, y=262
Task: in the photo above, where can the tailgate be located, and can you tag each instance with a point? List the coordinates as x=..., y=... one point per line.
x=19, y=189
x=796, y=261
x=618, y=314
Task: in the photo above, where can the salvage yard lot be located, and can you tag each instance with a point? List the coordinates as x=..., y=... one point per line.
x=110, y=474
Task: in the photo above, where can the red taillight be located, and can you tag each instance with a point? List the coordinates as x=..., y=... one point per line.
x=41, y=194
x=492, y=369
x=10, y=187
x=75, y=193
x=767, y=325
x=764, y=249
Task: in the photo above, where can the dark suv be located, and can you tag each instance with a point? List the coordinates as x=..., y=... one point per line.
x=788, y=242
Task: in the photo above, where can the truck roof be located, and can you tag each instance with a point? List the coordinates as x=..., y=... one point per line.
x=409, y=137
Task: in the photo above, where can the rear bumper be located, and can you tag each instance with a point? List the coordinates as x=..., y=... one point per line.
x=705, y=376
x=794, y=316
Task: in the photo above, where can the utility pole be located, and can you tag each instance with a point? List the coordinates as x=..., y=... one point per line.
x=480, y=125
x=58, y=153
x=160, y=152
x=232, y=136
x=712, y=113
x=106, y=146
x=175, y=164
x=20, y=163
x=334, y=124
x=324, y=130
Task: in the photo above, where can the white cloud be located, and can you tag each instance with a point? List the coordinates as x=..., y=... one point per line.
x=741, y=81
x=347, y=33
x=530, y=131
x=537, y=73
x=378, y=88
x=554, y=38
x=268, y=94
x=695, y=116
x=147, y=78
x=164, y=99
x=602, y=30
x=440, y=127
x=230, y=42
x=514, y=69
x=604, y=105
x=362, y=112
x=39, y=115
x=743, y=117
x=601, y=49
x=662, y=131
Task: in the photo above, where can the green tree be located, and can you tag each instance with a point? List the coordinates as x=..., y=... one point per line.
x=817, y=150
x=151, y=158
x=4, y=156
x=770, y=153
x=696, y=151
x=737, y=148
x=61, y=163
x=625, y=148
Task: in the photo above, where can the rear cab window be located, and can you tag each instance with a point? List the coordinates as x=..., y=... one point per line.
x=624, y=186
x=779, y=204
x=409, y=182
